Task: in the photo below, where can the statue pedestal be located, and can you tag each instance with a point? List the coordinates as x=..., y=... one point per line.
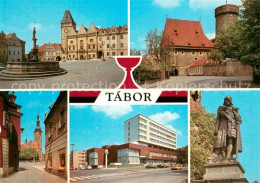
x=225, y=172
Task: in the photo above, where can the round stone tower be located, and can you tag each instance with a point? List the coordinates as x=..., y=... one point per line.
x=225, y=16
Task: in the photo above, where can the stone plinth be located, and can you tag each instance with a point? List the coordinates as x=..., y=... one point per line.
x=225, y=172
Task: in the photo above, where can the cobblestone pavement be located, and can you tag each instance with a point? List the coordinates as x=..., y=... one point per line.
x=32, y=173
x=81, y=75
x=137, y=174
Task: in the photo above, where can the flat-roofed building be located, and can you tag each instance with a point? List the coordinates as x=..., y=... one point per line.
x=145, y=130
x=78, y=158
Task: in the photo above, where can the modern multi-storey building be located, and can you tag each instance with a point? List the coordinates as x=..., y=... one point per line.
x=145, y=130
x=146, y=141
x=78, y=158
x=93, y=42
x=56, y=137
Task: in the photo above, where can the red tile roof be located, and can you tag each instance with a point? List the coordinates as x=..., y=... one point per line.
x=31, y=144
x=185, y=33
x=199, y=62
x=41, y=48
x=8, y=36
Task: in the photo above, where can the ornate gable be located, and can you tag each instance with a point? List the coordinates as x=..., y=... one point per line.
x=82, y=30
x=113, y=30
x=92, y=29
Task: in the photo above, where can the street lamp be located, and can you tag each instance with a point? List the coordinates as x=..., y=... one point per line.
x=106, y=153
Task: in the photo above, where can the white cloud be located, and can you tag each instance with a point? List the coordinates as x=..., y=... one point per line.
x=164, y=118
x=206, y=4
x=78, y=106
x=32, y=25
x=113, y=111
x=167, y=3
x=211, y=35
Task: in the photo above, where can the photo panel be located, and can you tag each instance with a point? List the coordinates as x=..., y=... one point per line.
x=224, y=133
x=128, y=142
x=33, y=136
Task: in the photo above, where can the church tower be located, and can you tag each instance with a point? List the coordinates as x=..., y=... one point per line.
x=225, y=15
x=67, y=24
x=38, y=133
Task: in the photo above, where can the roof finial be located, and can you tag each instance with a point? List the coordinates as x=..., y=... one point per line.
x=226, y=2
x=166, y=16
x=34, y=22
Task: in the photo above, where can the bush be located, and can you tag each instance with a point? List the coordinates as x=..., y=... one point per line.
x=146, y=75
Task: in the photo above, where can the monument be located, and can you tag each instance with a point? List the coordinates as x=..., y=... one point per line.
x=33, y=68
x=222, y=166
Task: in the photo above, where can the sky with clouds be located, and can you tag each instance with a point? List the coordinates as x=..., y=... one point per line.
x=150, y=14
x=18, y=16
x=249, y=104
x=98, y=125
x=34, y=103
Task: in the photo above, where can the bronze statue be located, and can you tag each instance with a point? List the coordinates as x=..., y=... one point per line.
x=227, y=130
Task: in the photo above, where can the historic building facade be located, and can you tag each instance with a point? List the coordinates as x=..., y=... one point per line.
x=10, y=134
x=50, y=52
x=91, y=43
x=56, y=137
x=3, y=49
x=14, y=47
x=185, y=43
x=37, y=141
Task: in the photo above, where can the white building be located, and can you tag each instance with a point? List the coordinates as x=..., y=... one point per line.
x=145, y=130
x=78, y=158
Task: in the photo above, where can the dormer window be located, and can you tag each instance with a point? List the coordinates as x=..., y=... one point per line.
x=175, y=30
x=196, y=31
x=203, y=44
x=189, y=43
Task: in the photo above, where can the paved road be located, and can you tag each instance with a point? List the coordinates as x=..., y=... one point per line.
x=32, y=173
x=130, y=175
x=203, y=82
x=81, y=75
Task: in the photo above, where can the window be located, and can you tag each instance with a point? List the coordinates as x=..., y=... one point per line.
x=71, y=42
x=100, y=39
x=81, y=42
x=89, y=46
x=113, y=37
x=73, y=47
x=114, y=45
x=122, y=53
x=14, y=52
x=121, y=36
x=114, y=53
x=200, y=53
x=107, y=38
x=107, y=45
x=62, y=118
x=94, y=47
x=91, y=40
x=107, y=53
x=18, y=53
x=62, y=159
x=100, y=46
x=193, y=53
x=69, y=47
x=195, y=58
x=122, y=45
x=81, y=47
x=182, y=52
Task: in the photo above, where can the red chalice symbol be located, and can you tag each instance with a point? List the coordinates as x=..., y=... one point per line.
x=128, y=64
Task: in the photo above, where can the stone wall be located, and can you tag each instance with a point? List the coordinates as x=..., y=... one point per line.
x=227, y=68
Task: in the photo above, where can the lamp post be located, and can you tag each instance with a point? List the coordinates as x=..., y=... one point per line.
x=106, y=153
x=72, y=147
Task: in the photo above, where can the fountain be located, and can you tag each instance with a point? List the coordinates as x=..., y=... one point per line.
x=33, y=68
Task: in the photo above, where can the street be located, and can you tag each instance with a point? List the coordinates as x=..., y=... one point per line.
x=81, y=75
x=30, y=172
x=129, y=175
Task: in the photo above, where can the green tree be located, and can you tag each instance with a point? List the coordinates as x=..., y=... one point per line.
x=242, y=39
x=153, y=42
x=202, y=139
x=28, y=154
x=135, y=52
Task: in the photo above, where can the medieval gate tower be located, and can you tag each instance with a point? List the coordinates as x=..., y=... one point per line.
x=225, y=15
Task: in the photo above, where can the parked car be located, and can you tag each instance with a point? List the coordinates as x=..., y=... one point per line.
x=161, y=166
x=150, y=166
x=176, y=168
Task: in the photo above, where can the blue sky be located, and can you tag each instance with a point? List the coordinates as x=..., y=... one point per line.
x=95, y=126
x=34, y=103
x=249, y=104
x=150, y=14
x=18, y=16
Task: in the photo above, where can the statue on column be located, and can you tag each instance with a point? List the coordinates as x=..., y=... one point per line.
x=227, y=130
x=33, y=56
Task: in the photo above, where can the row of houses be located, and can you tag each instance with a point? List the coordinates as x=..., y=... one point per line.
x=12, y=48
